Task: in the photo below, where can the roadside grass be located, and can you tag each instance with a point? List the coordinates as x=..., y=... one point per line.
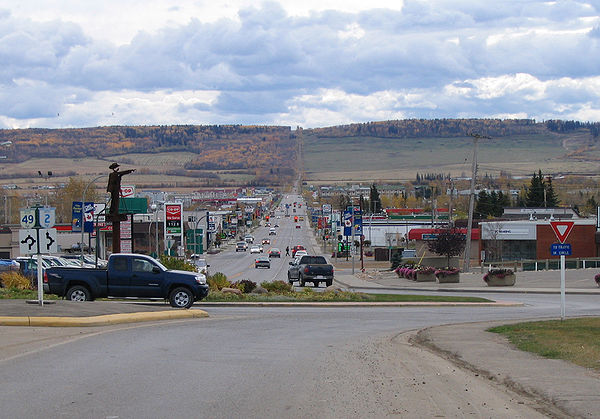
x=18, y=294
x=308, y=295
x=573, y=340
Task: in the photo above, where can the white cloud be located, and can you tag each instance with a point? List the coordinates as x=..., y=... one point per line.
x=292, y=61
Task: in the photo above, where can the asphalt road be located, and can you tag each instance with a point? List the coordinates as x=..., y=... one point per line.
x=264, y=363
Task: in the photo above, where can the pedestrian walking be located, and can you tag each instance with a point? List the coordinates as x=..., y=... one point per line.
x=287, y=250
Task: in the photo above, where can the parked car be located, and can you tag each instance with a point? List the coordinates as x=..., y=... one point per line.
x=274, y=253
x=262, y=262
x=255, y=249
x=87, y=258
x=127, y=275
x=241, y=246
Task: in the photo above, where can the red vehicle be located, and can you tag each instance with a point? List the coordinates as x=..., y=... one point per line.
x=296, y=248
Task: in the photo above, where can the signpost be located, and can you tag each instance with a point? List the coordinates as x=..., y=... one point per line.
x=173, y=222
x=36, y=237
x=562, y=229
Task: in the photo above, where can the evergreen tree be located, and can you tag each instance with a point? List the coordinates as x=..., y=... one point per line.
x=374, y=200
x=535, y=192
x=551, y=197
x=483, y=205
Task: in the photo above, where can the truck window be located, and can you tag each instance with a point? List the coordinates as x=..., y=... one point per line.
x=120, y=264
x=141, y=265
x=313, y=260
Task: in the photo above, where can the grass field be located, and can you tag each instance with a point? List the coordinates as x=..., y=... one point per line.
x=368, y=158
x=574, y=340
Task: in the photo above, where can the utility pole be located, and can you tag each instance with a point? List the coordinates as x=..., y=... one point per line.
x=467, y=260
x=450, y=208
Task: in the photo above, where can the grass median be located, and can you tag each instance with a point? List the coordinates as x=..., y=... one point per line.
x=308, y=295
x=573, y=340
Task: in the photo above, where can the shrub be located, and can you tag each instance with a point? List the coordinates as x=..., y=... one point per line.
x=172, y=262
x=245, y=285
x=217, y=281
x=498, y=272
x=277, y=287
x=15, y=280
x=396, y=260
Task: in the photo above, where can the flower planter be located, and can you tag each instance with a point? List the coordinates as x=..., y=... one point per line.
x=505, y=280
x=425, y=277
x=448, y=279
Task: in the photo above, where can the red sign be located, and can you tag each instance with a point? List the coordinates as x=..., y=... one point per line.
x=562, y=229
x=173, y=212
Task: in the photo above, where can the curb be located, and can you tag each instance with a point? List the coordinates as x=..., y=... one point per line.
x=361, y=304
x=104, y=320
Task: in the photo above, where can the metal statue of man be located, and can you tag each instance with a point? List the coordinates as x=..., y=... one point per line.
x=114, y=187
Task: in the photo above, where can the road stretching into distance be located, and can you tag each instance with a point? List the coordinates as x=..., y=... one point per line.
x=268, y=362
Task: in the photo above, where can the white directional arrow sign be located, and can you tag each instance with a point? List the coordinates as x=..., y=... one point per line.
x=48, y=240
x=28, y=241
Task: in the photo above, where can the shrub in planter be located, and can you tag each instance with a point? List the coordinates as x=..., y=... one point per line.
x=597, y=279
x=500, y=277
x=447, y=275
x=15, y=280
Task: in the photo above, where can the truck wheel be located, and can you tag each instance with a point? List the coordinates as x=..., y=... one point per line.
x=78, y=293
x=316, y=284
x=301, y=280
x=329, y=282
x=181, y=298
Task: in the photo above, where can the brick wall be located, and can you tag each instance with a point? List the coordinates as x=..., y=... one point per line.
x=582, y=240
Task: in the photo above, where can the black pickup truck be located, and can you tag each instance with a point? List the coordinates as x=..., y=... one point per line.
x=127, y=275
x=313, y=269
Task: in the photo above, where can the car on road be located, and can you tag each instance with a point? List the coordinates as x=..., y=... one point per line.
x=296, y=248
x=262, y=262
x=255, y=249
x=298, y=226
x=241, y=246
x=274, y=253
x=301, y=253
x=277, y=225
x=249, y=238
x=272, y=231
x=266, y=241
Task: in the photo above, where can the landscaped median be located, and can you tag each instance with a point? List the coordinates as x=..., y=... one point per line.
x=103, y=320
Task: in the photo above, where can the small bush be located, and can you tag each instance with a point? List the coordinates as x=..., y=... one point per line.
x=245, y=285
x=396, y=260
x=172, y=262
x=218, y=281
x=277, y=287
x=15, y=280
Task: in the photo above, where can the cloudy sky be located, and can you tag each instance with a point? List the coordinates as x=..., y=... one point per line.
x=78, y=63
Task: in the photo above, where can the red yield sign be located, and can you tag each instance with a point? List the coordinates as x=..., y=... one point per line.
x=562, y=229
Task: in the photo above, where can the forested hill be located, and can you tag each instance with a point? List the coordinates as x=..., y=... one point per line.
x=435, y=128
x=216, y=146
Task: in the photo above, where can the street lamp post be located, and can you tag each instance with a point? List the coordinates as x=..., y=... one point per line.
x=83, y=212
